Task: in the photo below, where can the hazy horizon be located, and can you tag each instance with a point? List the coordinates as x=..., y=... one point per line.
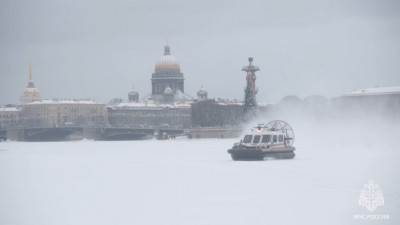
x=100, y=49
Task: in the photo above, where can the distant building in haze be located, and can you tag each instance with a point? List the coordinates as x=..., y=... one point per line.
x=381, y=100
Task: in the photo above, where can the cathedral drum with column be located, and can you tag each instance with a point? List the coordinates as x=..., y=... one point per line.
x=167, y=75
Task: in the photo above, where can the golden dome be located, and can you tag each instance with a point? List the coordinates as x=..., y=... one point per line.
x=167, y=60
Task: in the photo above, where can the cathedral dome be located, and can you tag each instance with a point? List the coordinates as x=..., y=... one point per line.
x=167, y=60
x=202, y=94
x=202, y=91
x=133, y=95
x=133, y=92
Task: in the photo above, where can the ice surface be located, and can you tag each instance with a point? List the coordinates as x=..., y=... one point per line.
x=196, y=182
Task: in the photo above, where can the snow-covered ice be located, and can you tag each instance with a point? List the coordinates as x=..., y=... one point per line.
x=196, y=182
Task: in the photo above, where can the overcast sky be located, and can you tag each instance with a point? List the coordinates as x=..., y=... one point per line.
x=100, y=49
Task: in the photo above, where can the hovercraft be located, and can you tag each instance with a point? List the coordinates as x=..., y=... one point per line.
x=275, y=140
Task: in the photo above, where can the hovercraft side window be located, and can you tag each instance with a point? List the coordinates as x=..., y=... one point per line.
x=247, y=139
x=256, y=139
x=266, y=138
x=280, y=138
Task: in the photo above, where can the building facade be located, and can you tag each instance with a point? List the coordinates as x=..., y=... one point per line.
x=9, y=117
x=167, y=74
x=149, y=115
x=59, y=112
x=383, y=101
x=216, y=113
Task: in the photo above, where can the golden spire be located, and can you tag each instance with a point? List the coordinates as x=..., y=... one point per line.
x=30, y=71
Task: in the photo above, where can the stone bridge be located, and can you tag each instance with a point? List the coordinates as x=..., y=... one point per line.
x=216, y=132
x=121, y=133
x=49, y=133
x=3, y=134
x=114, y=133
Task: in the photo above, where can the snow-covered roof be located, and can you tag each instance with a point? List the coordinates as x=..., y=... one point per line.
x=220, y=101
x=9, y=109
x=229, y=103
x=64, y=101
x=148, y=105
x=135, y=104
x=262, y=104
x=375, y=91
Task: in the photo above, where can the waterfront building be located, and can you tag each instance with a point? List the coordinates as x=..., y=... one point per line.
x=216, y=113
x=384, y=101
x=63, y=112
x=9, y=117
x=147, y=114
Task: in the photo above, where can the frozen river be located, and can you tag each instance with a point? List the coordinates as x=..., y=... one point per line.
x=195, y=182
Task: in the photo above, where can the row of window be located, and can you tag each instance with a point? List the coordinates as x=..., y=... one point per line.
x=169, y=73
x=8, y=116
x=264, y=138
